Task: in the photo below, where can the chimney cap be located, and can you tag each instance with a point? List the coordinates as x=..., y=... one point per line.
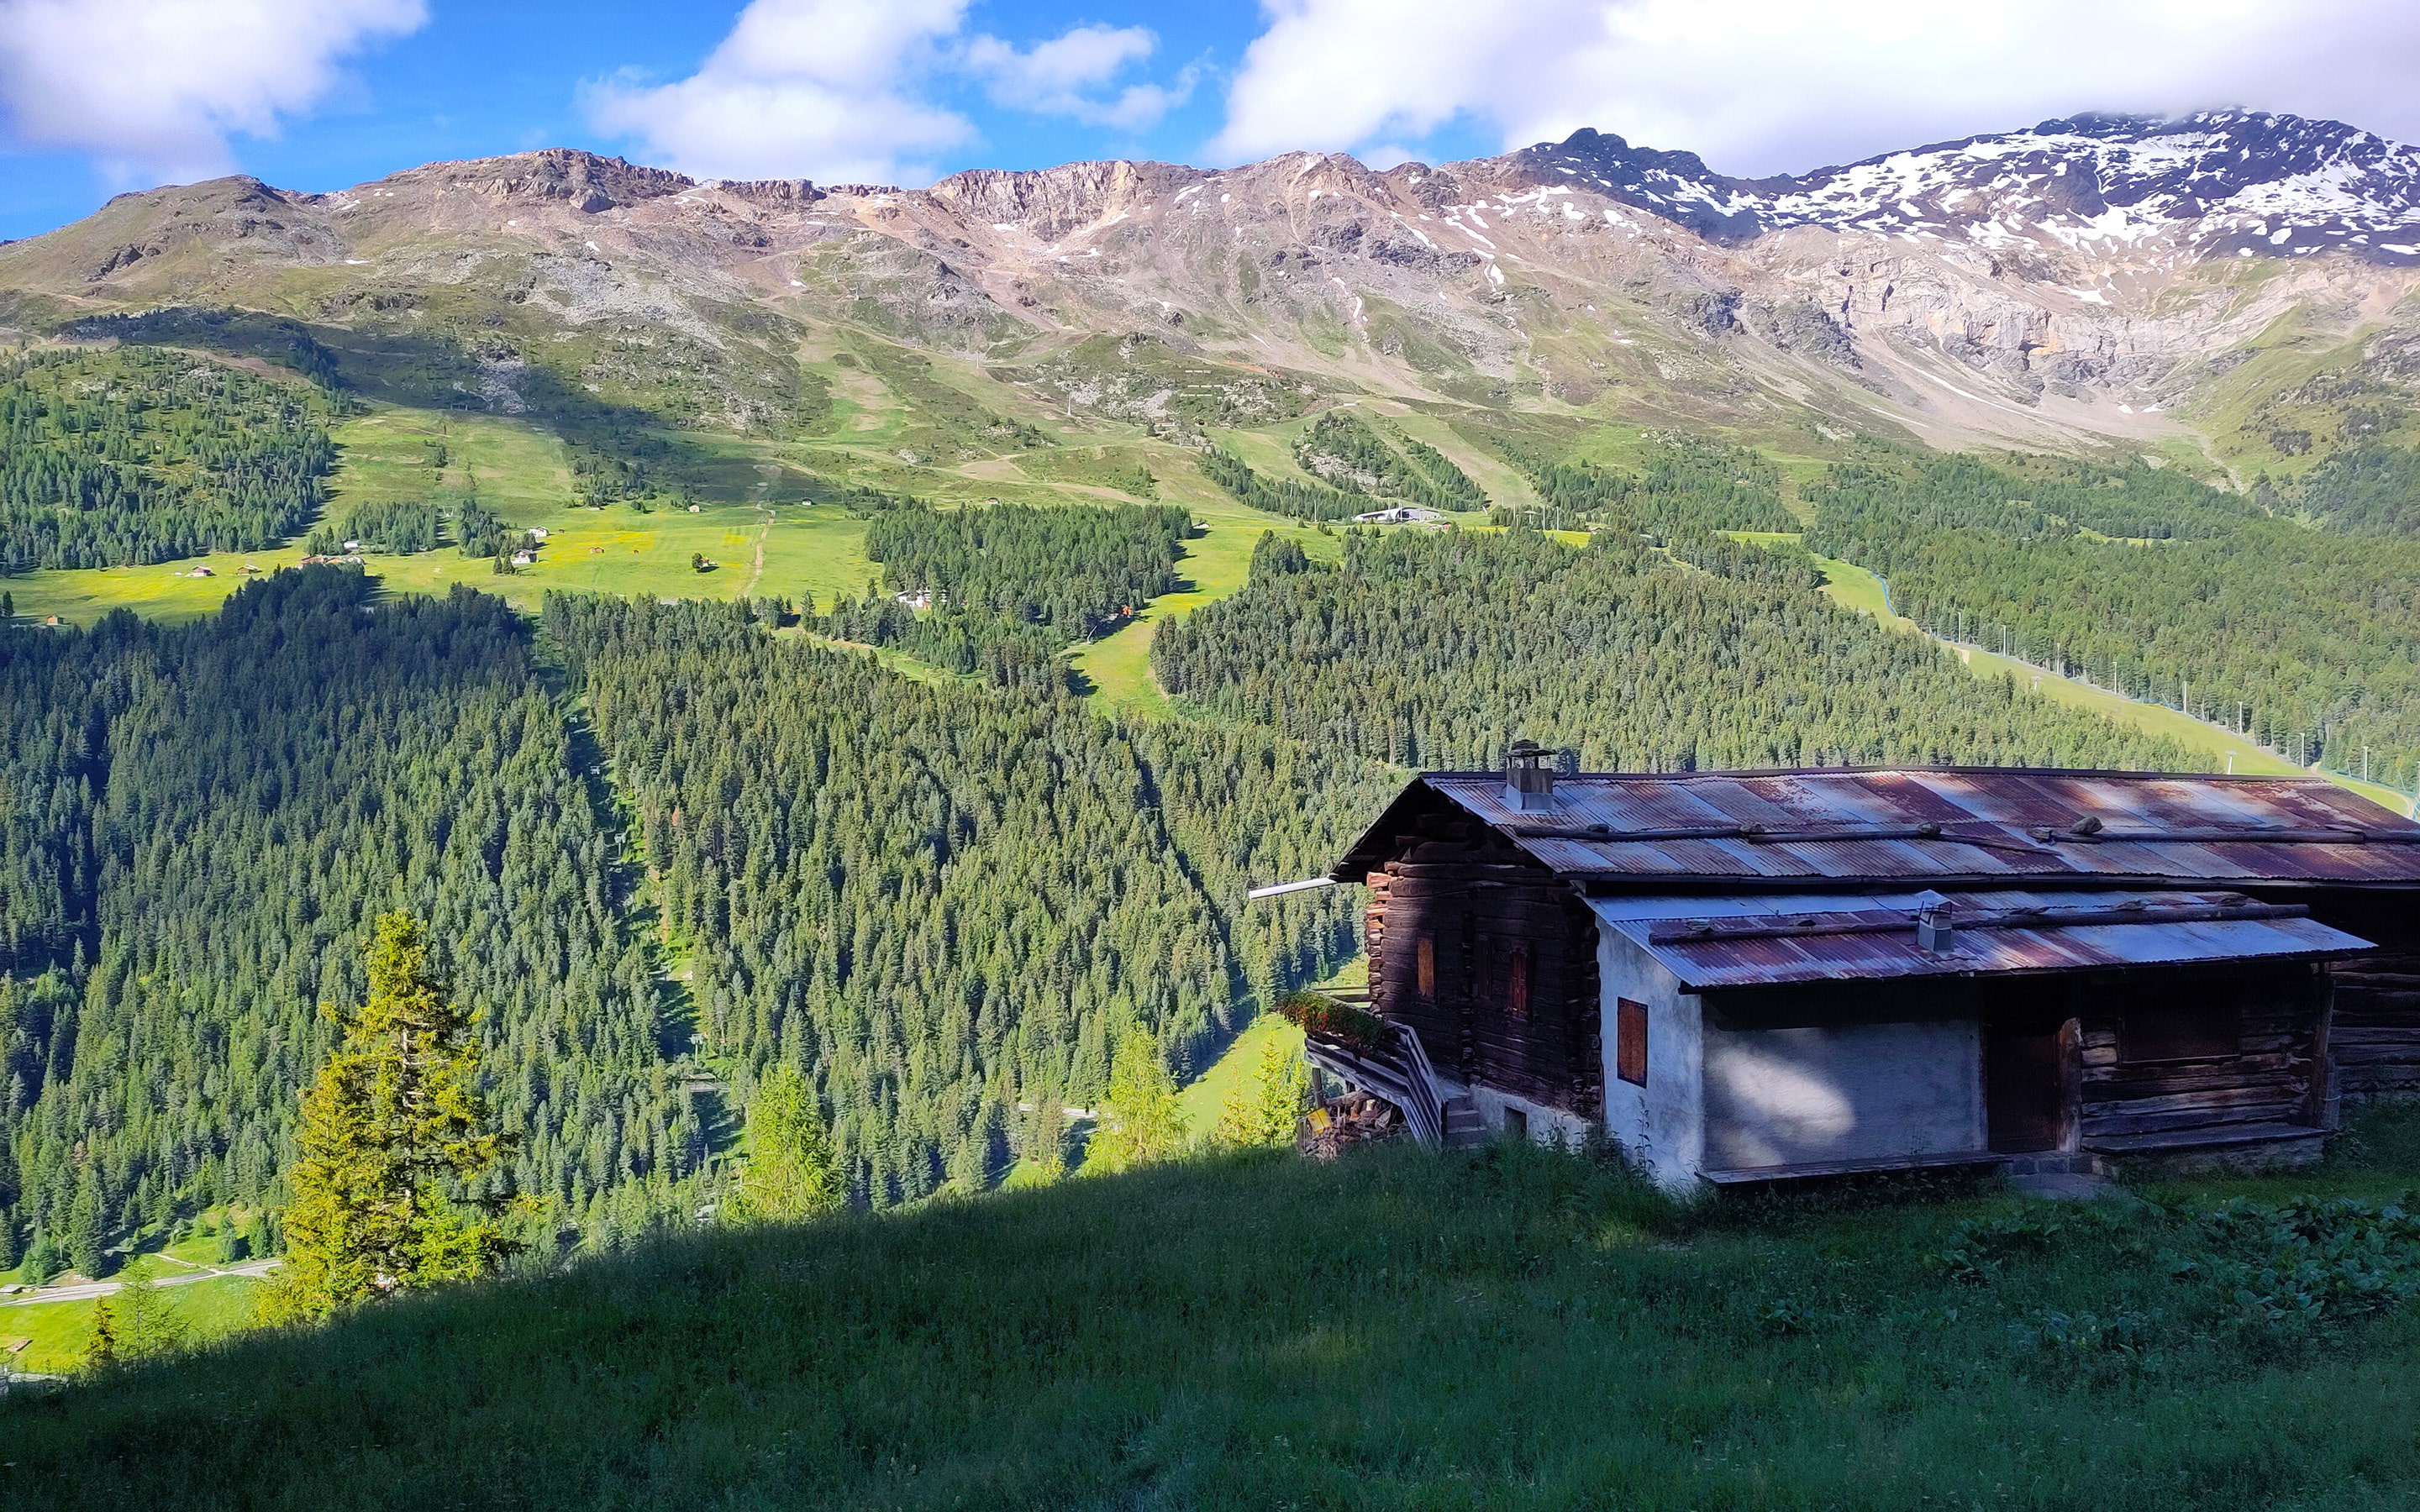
x=1936, y=923
x=1529, y=777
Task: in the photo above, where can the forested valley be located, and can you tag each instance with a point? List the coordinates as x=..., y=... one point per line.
x=1432, y=649
x=2145, y=582
x=138, y=454
x=666, y=848
x=939, y=900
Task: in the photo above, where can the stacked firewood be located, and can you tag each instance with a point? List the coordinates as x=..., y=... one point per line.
x=1356, y=1118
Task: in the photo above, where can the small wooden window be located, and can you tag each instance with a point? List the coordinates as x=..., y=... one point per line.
x=1427, y=962
x=1630, y=1041
x=1517, y=982
x=2179, y=1031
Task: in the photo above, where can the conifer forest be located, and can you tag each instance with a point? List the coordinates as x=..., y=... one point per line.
x=670, y=847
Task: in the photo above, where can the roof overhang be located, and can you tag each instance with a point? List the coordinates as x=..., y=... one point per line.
x=1716, y=943
x=1937, y=827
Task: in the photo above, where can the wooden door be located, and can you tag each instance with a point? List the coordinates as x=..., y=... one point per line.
x=2023, y=1087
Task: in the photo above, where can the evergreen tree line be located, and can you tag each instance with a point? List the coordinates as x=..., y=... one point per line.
x=396, y=527
x=1078, y=571
x=1435, y=649
x=1298, y=498
x=1683, y=488
x=199, y=824
x=1003, y=654
x=1342, y=449
x=135, y=455
x=2368, y=490
x=938, y=902
x=480, y=532
x=1009, y=586
x=2302, y=639
x=2034, y=496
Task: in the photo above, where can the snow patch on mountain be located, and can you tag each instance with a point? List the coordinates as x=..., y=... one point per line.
x=2216, y=183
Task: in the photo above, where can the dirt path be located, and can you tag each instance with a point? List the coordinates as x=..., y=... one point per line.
x=756, y=574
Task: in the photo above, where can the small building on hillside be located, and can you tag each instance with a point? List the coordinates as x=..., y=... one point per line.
x=1745, y=976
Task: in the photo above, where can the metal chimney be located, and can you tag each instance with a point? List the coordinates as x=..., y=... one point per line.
x=1530, y=777
x=1935, y=931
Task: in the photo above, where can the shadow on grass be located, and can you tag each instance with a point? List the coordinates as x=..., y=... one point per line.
x=1509, y=1328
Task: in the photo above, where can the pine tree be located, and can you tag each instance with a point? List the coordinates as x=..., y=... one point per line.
x=1266, y=1109
x=1045, y=1149
x=391, y=1128
x=1139, y=1122
x=8, y=1254
x=148, y=1322
x=84, y=1233
x=100, y=1350
x=791, y=1174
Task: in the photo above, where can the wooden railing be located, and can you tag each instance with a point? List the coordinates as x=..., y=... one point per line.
x=1405, y=1078
x=1423, y=1107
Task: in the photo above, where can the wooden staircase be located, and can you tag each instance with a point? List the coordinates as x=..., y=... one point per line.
x=1464, y=1126
x=1403, y=1078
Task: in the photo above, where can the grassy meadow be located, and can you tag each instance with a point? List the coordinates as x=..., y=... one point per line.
x=1509, y=1328
x=55, y=1334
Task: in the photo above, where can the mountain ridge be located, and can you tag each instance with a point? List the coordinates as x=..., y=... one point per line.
x=2096, y=282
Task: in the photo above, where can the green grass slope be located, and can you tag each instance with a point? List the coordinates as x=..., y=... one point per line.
x=1510, y=1329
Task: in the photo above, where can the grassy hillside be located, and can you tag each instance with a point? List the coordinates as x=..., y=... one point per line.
x=1511, y=1329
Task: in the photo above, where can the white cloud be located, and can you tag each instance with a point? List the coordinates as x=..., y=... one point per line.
x=845, y=90
x=154, y=87
x=1760, y=87
x=1056, y=77
x=800, y=88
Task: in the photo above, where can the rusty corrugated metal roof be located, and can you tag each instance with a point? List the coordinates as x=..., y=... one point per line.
x=1716, y=943
x=1960, y=825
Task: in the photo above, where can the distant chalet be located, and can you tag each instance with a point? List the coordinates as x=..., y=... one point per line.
x=1748, y=977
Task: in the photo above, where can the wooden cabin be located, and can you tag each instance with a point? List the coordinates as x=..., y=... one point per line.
x=1745, y=977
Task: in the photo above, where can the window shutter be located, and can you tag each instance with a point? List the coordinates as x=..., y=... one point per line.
x=1630, y=1041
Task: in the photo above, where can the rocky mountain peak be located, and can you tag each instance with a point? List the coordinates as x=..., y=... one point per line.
x=1051, y=202
x=2230, y=182
x=582, y=179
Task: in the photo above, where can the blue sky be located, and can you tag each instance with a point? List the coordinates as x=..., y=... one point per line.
x=98, y=96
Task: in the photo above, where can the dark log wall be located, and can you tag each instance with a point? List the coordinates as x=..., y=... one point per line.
x=2376, y=1037
x=2277, y=1074
x=1485, y=911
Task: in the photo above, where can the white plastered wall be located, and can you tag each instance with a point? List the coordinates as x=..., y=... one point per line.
x=1547, y=1125
x=1835, y=1093
x=1662, y=1125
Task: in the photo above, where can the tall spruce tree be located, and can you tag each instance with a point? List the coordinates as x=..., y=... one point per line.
x=792, y=1174
x=85, y=1235
x=1140, y=1121
x=393, y=1130
x=1267, y=1108
x=146, y=1318
x=100, y=1350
